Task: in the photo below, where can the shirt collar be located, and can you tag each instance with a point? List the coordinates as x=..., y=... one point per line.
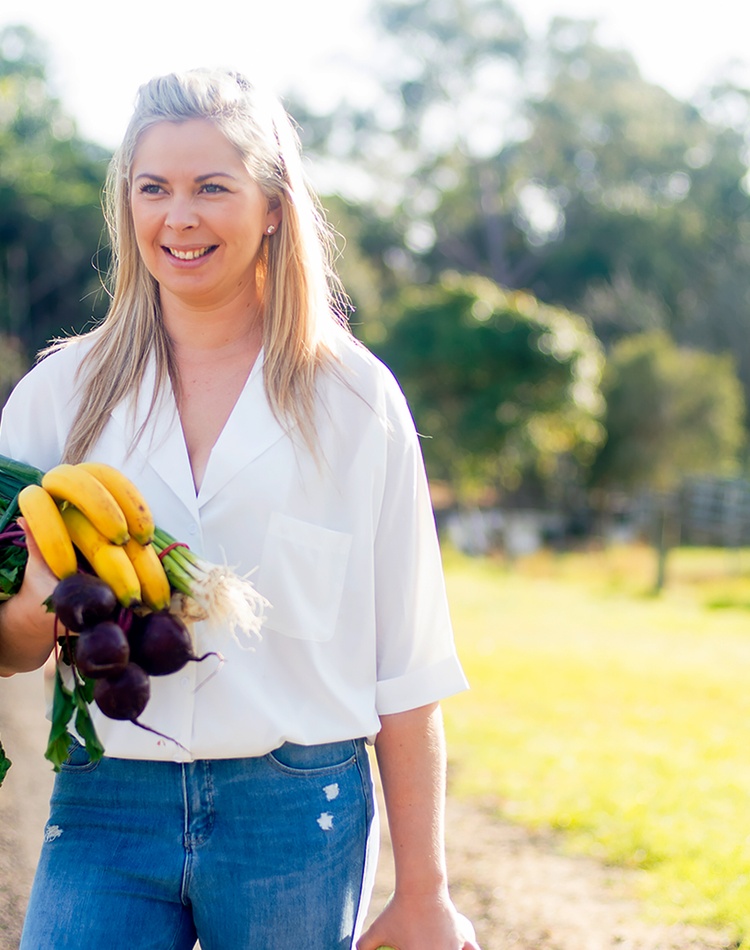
x=250, y=430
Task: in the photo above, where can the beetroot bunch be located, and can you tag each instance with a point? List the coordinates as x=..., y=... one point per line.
x=117, y=649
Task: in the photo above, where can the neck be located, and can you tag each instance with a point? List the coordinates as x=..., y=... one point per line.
x=232, y=328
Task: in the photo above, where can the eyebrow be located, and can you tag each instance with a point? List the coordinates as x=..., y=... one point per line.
x=198, y=179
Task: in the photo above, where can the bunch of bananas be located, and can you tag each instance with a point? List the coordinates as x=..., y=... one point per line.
x=95, y=508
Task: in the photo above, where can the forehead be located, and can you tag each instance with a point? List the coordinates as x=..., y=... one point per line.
x=185, y=148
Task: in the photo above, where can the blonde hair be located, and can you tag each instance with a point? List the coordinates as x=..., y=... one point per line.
x=301, y=295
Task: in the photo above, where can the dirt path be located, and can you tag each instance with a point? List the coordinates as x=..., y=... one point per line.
x=23, y=797
x=520, y=890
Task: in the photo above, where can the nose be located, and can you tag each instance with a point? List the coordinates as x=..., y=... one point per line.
x=181, y=214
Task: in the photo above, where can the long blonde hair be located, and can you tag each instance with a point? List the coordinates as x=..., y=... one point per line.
x=301, y=296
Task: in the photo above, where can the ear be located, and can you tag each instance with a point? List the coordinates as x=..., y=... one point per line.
x=274, y=214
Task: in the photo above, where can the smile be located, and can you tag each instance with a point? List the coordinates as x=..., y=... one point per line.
x=189, y=255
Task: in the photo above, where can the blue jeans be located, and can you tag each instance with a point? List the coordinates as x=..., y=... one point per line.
x=269, y=853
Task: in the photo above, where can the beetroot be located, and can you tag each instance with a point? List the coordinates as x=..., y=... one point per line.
x=102, y=650
x=160, y=643
x=124, y=695
x=82, y=600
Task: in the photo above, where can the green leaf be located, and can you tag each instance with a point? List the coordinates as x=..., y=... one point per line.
x=10, y=512
x=12, y=565
x=5, y=763
x=63, y=707
x=84, y=692
x=66, y=704
x=57, y=750
x=85, y=729
x=83, y=696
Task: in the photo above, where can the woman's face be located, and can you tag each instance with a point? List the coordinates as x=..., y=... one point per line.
x=199, y=217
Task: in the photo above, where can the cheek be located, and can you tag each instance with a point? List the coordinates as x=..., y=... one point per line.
x=144, y=228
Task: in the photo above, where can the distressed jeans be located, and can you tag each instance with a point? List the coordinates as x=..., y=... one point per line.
x=273, y=853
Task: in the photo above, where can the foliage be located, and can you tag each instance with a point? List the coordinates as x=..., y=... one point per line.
x=498, y=382
x=13, y=364
x=671, y=412
x=446, y=65
x=5, y=764
x=615, y=200
x=646, y=192
x=554, y=168
x=367, y=262
x=50, y=215
x=587, y=185
x=614, y=718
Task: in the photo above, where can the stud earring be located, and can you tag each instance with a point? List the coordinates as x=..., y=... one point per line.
x=270, y=229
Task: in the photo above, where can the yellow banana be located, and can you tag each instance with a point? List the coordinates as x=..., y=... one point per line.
x=108, y=561
x=48, y=528
x=128, y=497
x=155, y=590
x=73, y=484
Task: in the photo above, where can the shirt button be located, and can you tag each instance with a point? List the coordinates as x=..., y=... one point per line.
x=193, y=529
x=184, y=682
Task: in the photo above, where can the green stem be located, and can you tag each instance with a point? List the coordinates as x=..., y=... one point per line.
x=176, y=564
x=180, y=559
x=186, y=563
x=10, y=513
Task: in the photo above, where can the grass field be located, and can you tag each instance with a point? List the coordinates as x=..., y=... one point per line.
x=618, y=717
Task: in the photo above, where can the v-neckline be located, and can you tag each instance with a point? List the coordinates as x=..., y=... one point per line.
x=248, y=384
x=196, y=448
x=249, y=431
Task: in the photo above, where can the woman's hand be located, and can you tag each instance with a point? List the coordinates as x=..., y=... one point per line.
x=26, y=627
x=419, y=923
x=410, y=749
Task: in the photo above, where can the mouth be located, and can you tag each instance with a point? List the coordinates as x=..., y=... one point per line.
x=189, y=254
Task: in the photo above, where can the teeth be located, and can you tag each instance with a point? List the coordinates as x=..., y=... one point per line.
x=188, y=255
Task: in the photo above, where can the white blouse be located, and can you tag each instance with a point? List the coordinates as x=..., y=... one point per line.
x=343, y=546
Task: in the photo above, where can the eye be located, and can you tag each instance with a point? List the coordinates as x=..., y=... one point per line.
x=212, y=188
x=149, y=188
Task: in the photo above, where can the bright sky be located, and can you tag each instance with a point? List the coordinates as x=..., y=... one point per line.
x=101, y=51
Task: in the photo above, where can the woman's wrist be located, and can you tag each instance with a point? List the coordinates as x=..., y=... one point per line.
x=431, y=884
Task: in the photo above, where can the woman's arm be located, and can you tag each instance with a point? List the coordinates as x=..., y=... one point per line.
x=420, y=915
x=26, y=628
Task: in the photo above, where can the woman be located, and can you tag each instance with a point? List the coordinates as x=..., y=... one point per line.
x=225, y=385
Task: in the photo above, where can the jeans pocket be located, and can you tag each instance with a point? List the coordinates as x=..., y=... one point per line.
x=313, y=760
x=78, y=759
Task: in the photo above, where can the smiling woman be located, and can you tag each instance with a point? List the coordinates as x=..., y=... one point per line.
x=225, y=384
x=199, y=233
x=199, y=219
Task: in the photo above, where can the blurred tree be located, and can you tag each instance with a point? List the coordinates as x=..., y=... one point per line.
x=498, y=383
x=556, y=168
x=640, y=186
x=454, y=89
x=442, y=97
x=671, y=413
x=368, y=261
x=50, y=213
x=449, y=59
x=13, y=364
x=621, y=202
x=559, y=169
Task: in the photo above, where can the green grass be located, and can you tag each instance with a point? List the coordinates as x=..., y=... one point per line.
x=619, y=718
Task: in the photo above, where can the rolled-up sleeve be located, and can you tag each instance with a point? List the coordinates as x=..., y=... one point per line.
x=417, y=660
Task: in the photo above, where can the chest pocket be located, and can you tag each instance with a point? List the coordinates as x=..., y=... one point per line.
x=302, y=573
